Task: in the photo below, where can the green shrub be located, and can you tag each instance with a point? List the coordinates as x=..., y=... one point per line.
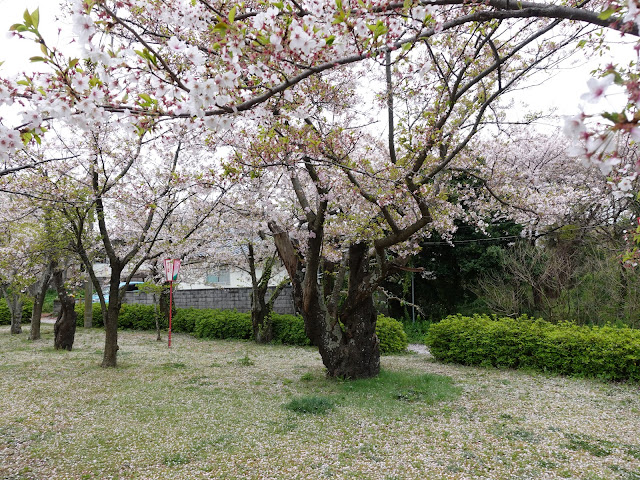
x=139, y=317
x=96, y=314
x=289, y=330
x=568, y=349
x=223, y=324
x=185, y=320
x=5, y=314
x=391, y=335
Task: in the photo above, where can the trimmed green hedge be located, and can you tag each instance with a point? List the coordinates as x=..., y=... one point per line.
x=211, y=323
x=289, y=330
x=97, y=314
x=568, y=349
x=223, y=324
x=5, y=315
x=391, y=334
x=132, y=316
x=185, y=320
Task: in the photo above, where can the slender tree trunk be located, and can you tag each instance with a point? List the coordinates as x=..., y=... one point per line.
x=110, y=317
x=15, y=303
x=261, y=317
x=64, y=330
x=36, y=320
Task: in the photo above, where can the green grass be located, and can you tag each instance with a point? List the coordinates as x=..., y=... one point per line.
x=311, y=404
x=236, y=410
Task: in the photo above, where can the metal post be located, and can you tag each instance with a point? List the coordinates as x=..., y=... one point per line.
x=170, y=309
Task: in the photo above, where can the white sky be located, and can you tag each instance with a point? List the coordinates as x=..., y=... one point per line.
x=561, y=92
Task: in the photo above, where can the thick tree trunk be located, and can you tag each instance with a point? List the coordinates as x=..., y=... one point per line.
x=111, y=333
x=346, y=340
x=64, y=330
x=350, y=350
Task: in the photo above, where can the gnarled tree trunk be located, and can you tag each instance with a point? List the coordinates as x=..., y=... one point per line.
x=261, y=309
x=64, y=330
x=345, y=336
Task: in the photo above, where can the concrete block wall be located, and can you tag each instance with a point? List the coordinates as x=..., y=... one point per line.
x=221, y=298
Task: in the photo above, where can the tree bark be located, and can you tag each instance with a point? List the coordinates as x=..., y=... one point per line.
x=110, y=318
x=64, y=330
x=261, y=318
x=260, y=309
x=15, y=303
x=346, y=339
x=111, y=347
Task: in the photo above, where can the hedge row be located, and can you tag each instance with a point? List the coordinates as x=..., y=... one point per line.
x=5, y=314
x=132, y=316
x=211, y=323
x=568, y=349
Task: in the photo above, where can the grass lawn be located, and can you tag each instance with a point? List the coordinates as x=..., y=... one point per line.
x=235, y=410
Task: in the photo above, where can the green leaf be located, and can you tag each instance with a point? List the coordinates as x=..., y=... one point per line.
x=339, y=5
x=28, y=22
x=606, y=14
x=37, y=59
x=232, y=14
x=35, y=17
x=221, y=27
x=330, y=39
x=23, y=82
x=378, y=29
x=73, y=62
x=18, y=27
x=26, y=137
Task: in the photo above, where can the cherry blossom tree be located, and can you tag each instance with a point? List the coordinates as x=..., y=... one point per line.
x=238, y=238
x=130, y=184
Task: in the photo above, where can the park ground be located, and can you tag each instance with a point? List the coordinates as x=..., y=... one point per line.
x=232, y=410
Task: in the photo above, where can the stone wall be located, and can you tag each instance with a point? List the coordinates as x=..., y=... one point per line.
x=221, y=298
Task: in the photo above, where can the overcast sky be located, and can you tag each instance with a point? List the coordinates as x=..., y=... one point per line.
x=563, y=90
